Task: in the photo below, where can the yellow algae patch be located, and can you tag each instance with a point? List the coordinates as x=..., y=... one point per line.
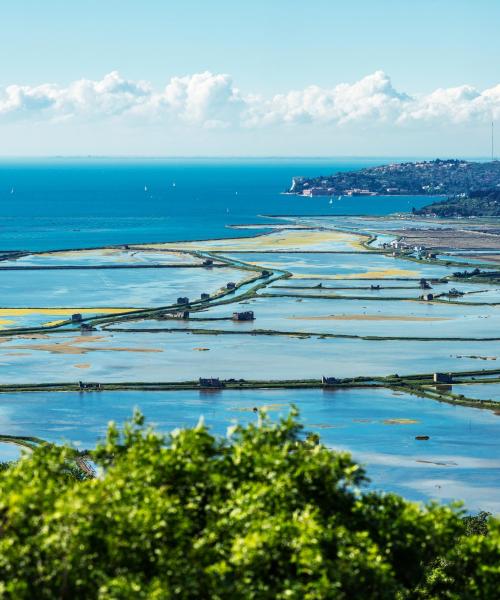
x=367, y=318
x=357, y=245
x=311, y=275
x=282, y=239
x=384, y=274
x=400, y=421
x=119, y=255
x=379, y=274
x=52, y=323
x=75, y=254
x=56, y=312
x=144, y=253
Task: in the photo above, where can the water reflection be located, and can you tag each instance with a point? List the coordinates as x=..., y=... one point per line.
x=459, y=461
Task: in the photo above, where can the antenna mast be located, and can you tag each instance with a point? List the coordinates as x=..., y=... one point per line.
x=492, y=141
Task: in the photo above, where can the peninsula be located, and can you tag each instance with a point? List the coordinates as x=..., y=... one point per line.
x=428, y=178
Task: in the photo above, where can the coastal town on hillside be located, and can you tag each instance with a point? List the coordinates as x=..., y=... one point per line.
x=437, y=177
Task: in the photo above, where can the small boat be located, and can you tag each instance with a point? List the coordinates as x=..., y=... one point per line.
x=173, y=184
x=12, y=190
x=331, y=201
x=145, y=188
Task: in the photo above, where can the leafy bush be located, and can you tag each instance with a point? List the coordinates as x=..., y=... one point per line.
x=266, y=513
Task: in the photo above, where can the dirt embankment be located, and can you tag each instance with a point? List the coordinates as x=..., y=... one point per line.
x=450, y=239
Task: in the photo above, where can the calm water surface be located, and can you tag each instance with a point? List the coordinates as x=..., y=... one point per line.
x=64, y=203
x=460, y=461
x=177, y=356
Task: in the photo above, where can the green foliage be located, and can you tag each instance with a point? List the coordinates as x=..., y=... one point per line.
x=477, y=524
x=263, y=514
x=481, y=203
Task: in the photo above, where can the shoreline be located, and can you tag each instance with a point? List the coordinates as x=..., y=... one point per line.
x=418, y=385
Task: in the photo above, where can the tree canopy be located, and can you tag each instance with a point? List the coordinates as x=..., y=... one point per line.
x=264, y=513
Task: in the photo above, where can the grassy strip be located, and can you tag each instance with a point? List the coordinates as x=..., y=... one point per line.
x=355, y=287
x=487, y=279
x=151, y=312
x=446, y=263
x=367, y=244
x=463, y=302
x=447, y=397
x=219, y=253
x=340, y=297
x=474, y=381
x=216, y=300
x=299, y=334
x=413, y=384
x=20, y=440
x=106, y=267
x=436, y=299
x=33, y=442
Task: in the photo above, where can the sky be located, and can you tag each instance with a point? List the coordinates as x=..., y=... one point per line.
x=249, y=78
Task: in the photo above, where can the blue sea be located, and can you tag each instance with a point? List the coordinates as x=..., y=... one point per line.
x=84, y=203
x=64, y=203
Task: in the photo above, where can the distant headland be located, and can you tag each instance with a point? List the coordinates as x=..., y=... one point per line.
x=423, y=178
x=471, y=188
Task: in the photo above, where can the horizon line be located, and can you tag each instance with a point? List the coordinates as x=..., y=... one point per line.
x=240, y=157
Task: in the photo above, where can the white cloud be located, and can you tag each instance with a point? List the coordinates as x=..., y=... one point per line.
x=18, y=99
x=373, y=98
x=203, y=98
x=211, y=100
x=110, y=96
x=455, y=105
